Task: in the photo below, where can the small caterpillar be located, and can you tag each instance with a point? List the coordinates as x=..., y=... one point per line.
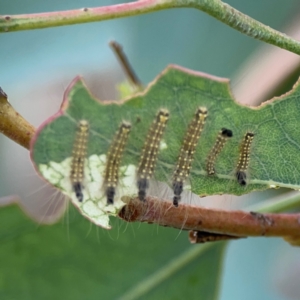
x=244, y=159
x=78, y=158
x=222, y=138
x=187, y=152
x=150, y=151
x=114, y=155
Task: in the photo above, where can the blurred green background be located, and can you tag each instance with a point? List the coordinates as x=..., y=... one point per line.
x=73, y=259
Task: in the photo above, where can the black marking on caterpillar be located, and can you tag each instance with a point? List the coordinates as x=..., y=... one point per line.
x=244, y=159
x=78, y=158
x=150, y=152
x=114, y=155
x=187, y=152
x=222, y=138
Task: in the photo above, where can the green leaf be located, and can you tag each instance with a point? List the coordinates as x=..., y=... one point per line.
x=75, y=261
x=274, y=155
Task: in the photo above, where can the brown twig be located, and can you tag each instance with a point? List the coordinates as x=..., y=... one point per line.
x=233, y=223
x=127, y=68
x=13, y=125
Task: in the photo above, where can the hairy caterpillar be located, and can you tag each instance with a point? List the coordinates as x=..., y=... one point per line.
x=150, y=151
x=222, y=138
x=78, y=158
x=114, y=155
x=187, y=152
x=244, y=159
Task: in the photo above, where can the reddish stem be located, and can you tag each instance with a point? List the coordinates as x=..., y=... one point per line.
x=233, y=223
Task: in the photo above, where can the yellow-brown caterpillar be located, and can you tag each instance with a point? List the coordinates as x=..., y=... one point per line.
x=150, y=152
x=244, y=159
x=114, y=155
x=78, y=158
x=187, y=152
x=222, y=138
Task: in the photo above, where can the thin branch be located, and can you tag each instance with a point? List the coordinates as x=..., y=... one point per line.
x=10, y=23
x=216, y=8
x=127, y=68
x=246, y=25
x=13, y=125
x=233, y=223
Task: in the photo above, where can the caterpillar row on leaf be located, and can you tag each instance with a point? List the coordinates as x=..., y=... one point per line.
x=150, y=153
x=173, y=161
